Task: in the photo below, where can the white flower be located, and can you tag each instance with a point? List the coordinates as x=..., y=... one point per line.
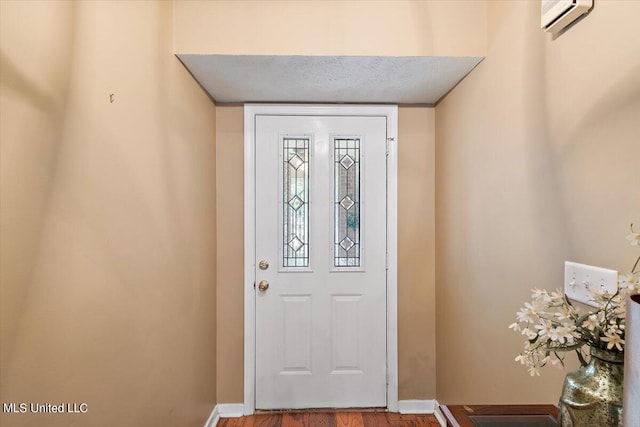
x=544, y=328
x=539, y=293
x=565, y=312
x=528, y=313
x=540, y=296
x=614, y=328
x=630, y=282
x=565, y=333
x=591, y=322
x=529, y=333
x=557, y=297
x=521, y=359
x=554, y=334
x=634, y=239
x=600, y=295
x=613, y=339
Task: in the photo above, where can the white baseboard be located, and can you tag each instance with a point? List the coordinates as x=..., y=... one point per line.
x=224, y=410
x=422, y=407
x=417, y=406
x=440, y=417
x=213, y=418
x=231, y=410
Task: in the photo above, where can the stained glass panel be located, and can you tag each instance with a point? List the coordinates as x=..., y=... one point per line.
x=295, y=202
x=346, y=252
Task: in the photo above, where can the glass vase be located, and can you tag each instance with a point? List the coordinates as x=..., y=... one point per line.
x=592, y=395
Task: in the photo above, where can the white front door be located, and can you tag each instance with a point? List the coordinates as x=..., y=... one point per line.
x=320, y=246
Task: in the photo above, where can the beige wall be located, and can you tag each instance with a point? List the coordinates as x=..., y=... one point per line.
x=416, y=254
x=416, y=247
x=107, y=217
x=354, y=27
x=230, y=252
x=537, y=162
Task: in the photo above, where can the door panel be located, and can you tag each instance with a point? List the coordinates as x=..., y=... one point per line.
x=321, y=226
x=345, y=346
x=296, y=334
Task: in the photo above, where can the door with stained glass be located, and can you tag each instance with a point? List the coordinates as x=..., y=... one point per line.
x=320, y=261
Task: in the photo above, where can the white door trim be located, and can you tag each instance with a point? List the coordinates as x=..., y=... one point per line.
x=250, y=113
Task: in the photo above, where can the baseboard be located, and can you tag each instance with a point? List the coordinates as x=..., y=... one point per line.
x=213, y=418
x=417, y=406
x=231, y=410
x=224, y=410
x=440, y=417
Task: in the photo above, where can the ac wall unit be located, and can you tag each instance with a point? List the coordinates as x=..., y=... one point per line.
x=557, y=14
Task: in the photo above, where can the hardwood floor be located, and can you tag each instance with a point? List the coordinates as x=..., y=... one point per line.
x=331, y=419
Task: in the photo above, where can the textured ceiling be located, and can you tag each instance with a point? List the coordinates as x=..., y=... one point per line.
x=352, y=79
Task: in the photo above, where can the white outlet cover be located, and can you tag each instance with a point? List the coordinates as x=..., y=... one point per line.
x=581, y=280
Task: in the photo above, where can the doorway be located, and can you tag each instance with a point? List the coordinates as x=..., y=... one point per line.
x=320, y=264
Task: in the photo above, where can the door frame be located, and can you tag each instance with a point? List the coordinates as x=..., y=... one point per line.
x=390, y=112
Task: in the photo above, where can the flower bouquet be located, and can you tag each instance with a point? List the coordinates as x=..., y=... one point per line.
x=554, y=326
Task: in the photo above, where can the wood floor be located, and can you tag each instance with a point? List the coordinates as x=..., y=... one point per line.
x=331, y=419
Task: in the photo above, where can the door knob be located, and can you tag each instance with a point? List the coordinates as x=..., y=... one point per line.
x=263, y=285
x=263, y=264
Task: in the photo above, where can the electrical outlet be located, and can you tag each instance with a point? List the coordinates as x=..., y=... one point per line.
x=580, y=281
